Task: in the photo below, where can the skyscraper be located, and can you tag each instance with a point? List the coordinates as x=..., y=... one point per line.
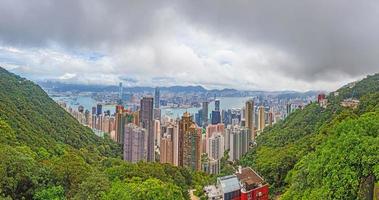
x=120, y=121
x=199, y=117
x=205, y=113
x=157, y=97
x=93, y=110
x=120, y=93
x=99, y=109
x=146, y=122
x=135, y=142
x=189, y=143
x=237, y=141
x=157, y=132
x=249, y=118
x=216, y=117
x=215, y=147
x=261, y=118
x=166, y=149
x=217, y=105
x=288, y=109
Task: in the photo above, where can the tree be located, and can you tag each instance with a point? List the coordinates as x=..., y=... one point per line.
x=137, y=189
x=50, y=193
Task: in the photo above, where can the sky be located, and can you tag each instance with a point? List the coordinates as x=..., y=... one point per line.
x=241, y=44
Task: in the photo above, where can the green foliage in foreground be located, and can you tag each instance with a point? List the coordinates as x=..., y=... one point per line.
x=323, y=153
x=338, y=167
x=46, y=154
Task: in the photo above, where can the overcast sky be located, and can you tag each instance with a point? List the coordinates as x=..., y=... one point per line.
x=253, y=45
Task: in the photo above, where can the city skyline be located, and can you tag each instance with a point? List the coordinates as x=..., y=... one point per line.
x=257, y=45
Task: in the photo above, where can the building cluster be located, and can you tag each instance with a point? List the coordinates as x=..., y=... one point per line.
x=244, y=184
x=195, y=141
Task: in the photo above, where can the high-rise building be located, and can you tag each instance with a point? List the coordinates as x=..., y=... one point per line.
x=146, y=122
x=120, y=94
x=93, y=110
x=205, y=113
x=135, y=142
x=157, y=97
x=157, y=132
x=215, y=146
x=236, y=139
x=189, y=143
x=80, y=109
x=99, y=109
x=261, y=118
x=271, y=116
x=166, y=149
x=87, y=117
x=199, y=117
x=216, y=117
x=120, y=121
x=157, y=114
x=217, y=105
x=249, y=118
x=173, y=130
x=288, y=109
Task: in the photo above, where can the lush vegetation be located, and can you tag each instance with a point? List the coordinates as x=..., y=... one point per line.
x=327, y=153
x=46, y=154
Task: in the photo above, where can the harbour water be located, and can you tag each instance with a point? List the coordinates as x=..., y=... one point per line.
x=88, y=102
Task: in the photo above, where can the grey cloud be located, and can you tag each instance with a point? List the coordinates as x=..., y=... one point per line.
x=78, y=23
x=324, y=39
x=324, y=36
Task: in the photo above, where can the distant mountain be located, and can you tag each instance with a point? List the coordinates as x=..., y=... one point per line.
x=56, y=86
x=324, y=153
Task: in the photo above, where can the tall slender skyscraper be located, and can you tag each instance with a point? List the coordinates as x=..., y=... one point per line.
x=166, y=149
x=146, y=122
x=217, y=105
x=249, y=118
x=205, y=113
x=120, y=93
x=120, y=121
x=189, y=143
x=261, y=118
x=99, y=109
x=157, y=97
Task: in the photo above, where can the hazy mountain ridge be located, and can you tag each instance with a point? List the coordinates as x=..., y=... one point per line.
x=56, y=86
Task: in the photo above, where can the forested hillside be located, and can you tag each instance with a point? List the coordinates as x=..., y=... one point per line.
x=327, y=153
x=46, y=154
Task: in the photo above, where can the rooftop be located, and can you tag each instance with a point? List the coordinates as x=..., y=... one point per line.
x=229, y=183
x=249, y=178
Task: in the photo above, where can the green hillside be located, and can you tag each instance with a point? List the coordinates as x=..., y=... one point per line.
x=46, y=154
x=41, y=123
x=300, y=154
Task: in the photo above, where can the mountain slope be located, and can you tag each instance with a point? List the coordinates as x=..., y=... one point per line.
x=286, y=144
x=37, y=119
x=46, y=154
